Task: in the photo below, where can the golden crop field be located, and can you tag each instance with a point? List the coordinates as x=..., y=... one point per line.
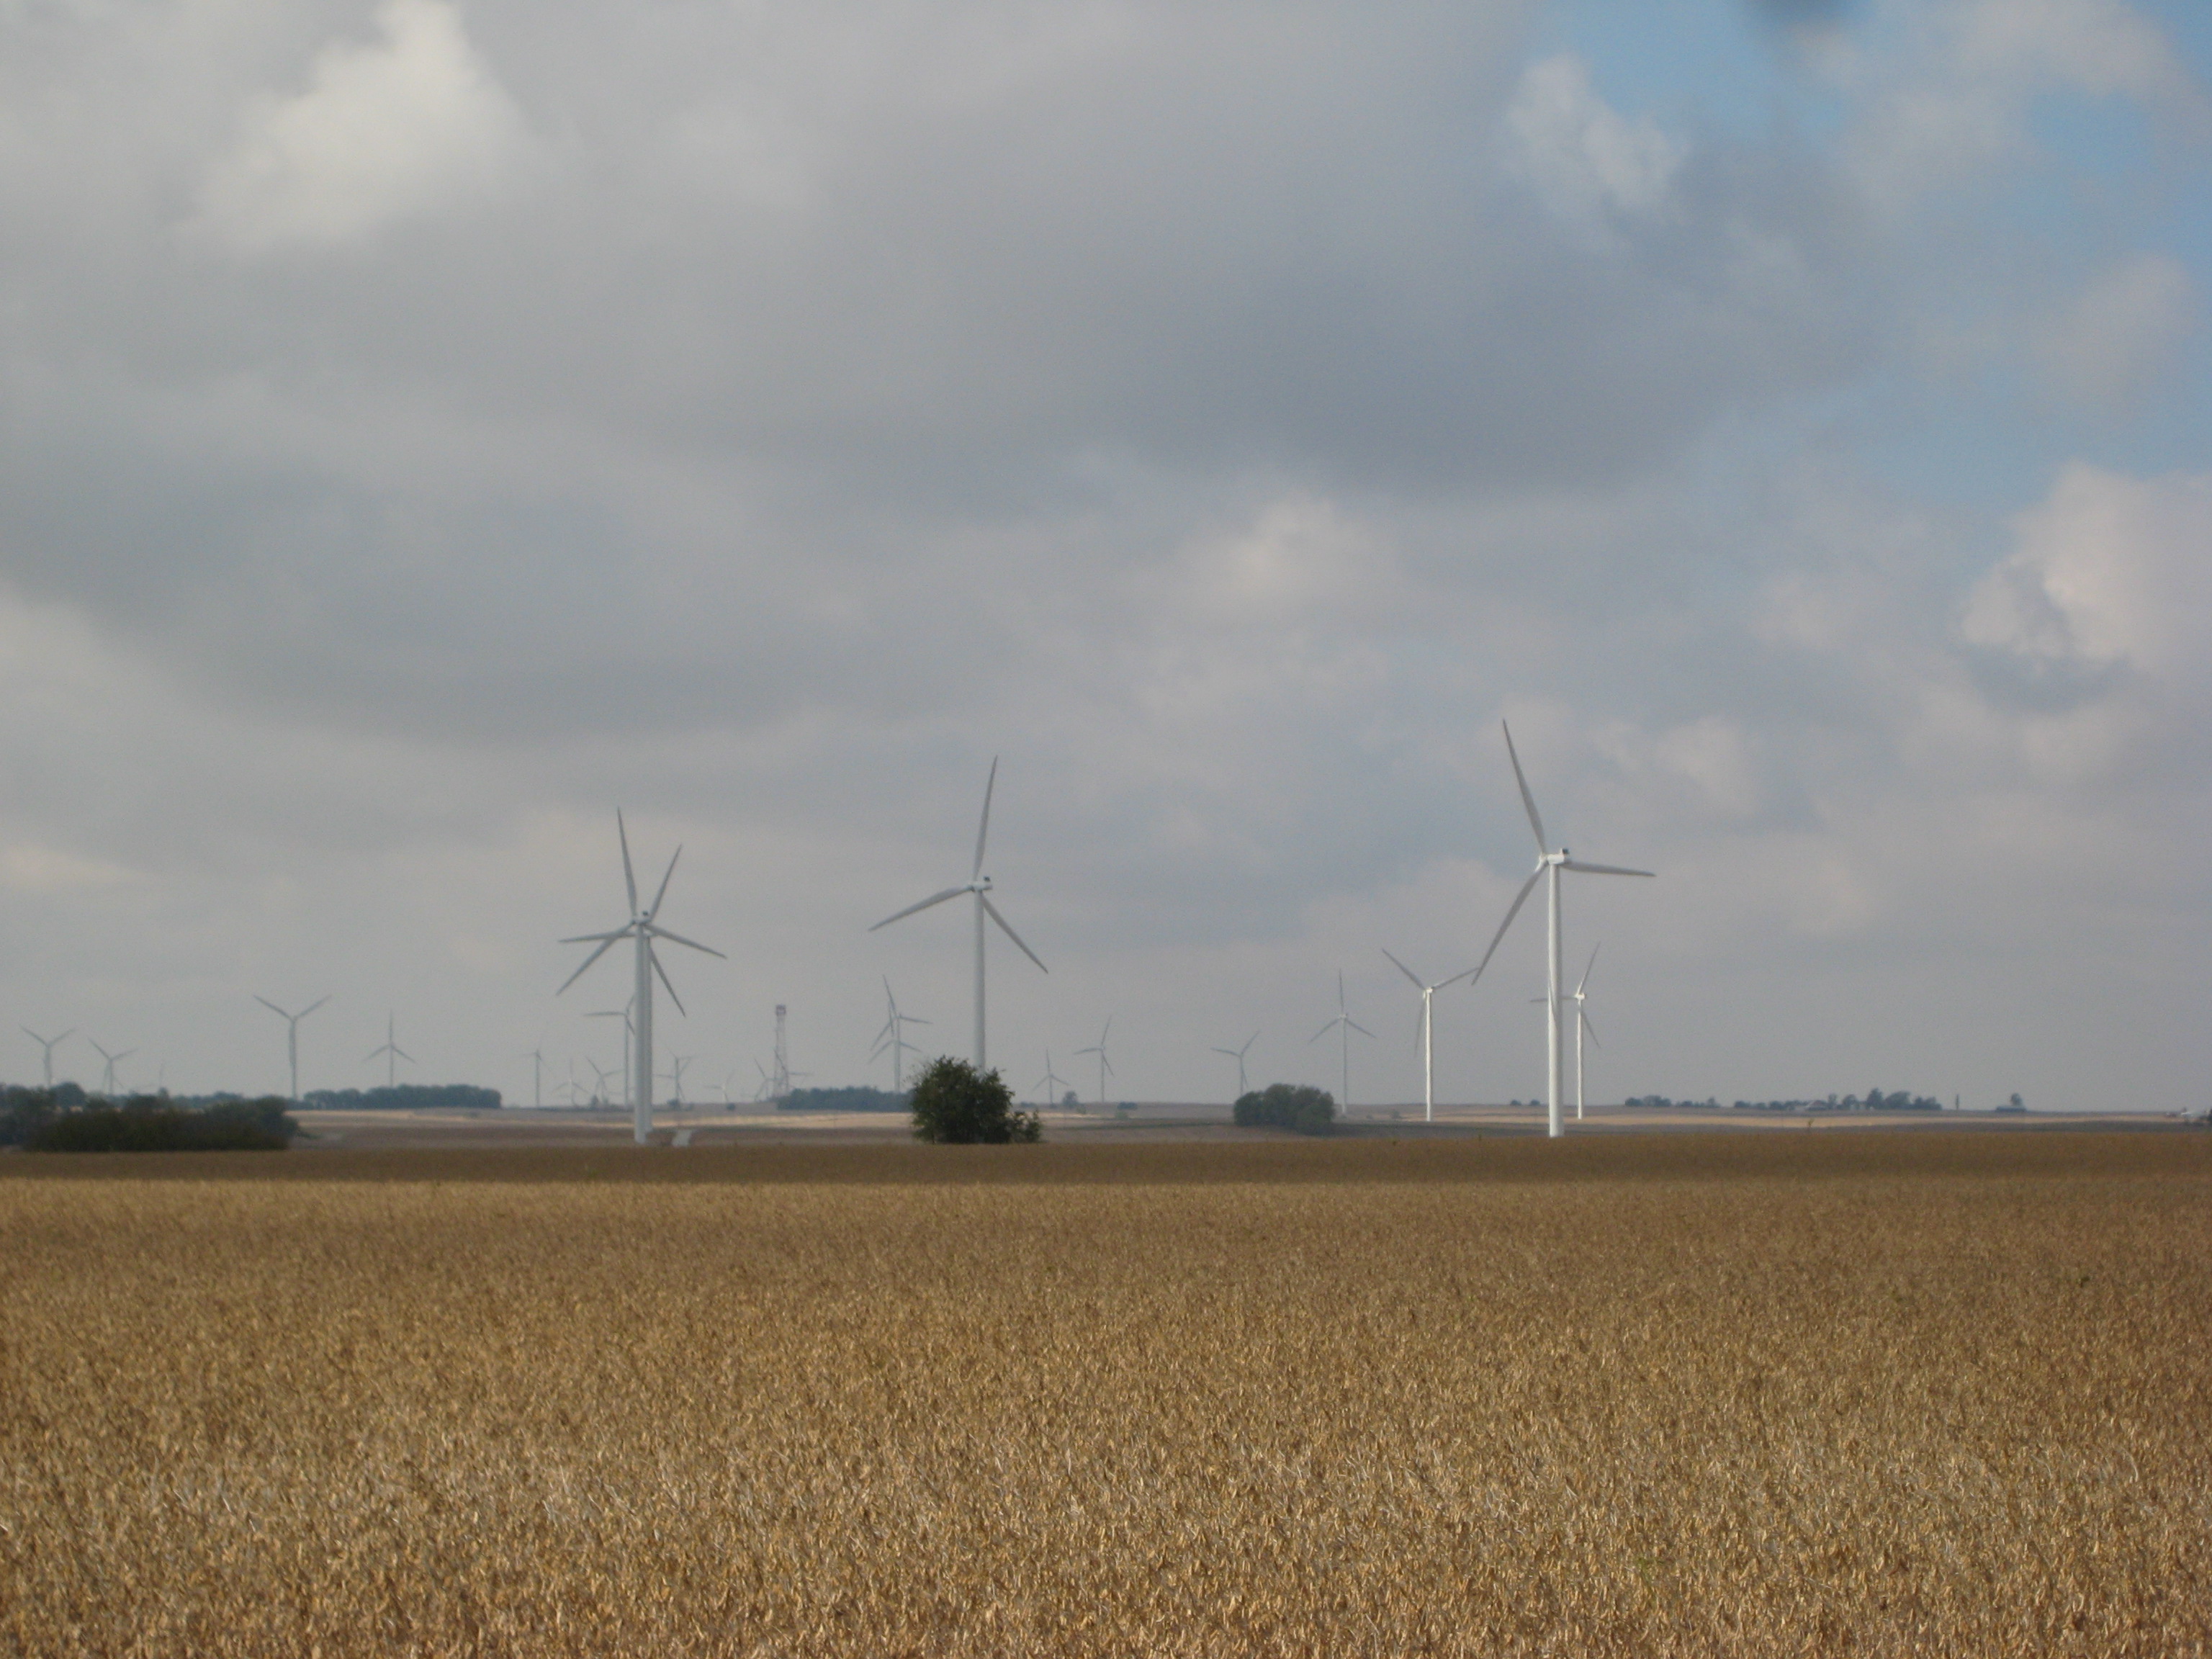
x=1703, y=1393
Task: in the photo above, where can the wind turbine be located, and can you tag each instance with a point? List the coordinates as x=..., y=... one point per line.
x=1551, y=863
x=1582, y=1026
x=1344, y=1025
x=393, y=1054
x=538, y=1075
x=893, y=1037
x=292, y=1034
x=628, y=1030
x=107, y=1078
x=1238, y=1055
x=1099, y=1049
x=980, y=885
x=600, y=1075
x=1051, y=1082
x=1426, y=1033
x=644, y=927
x=50, y=1044
x=675, y=1075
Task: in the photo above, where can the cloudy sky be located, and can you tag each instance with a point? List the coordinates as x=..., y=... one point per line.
x=428, y=425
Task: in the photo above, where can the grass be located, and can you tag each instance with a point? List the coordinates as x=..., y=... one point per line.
x=1637, y=1396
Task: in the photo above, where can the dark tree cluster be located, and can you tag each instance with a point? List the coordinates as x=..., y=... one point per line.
x=856, y=1099
x=405, y=1096
x=43, y=1121
x=955, y=1103
x=1297, y=1106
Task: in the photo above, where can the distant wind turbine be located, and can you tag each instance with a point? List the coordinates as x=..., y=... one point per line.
x=107, y=1077
x=1582, y=1026
x=292, y=1034
x=1238, y=1055
x=1547, y=863
x=392, y=1053
x=1052, y=1083
x=1344, y=1025
x=675, y=1075
x=1425, y=1031
x=1099, y=1049
x=980, y=885
x=538, y=1075
x=893, y=1037
x=50, y=1044
x=644, y=927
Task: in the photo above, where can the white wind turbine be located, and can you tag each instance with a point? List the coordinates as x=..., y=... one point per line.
x=292, y=1035
x=1426, y=1033
x=893, y=1037
x=107, y=1077
x=1052, y=1083
x=675, y=1075
x=538, y=1076
x=1344, y=1025
x=1582, y=1026
x=644, y=927
x=1547, y=863
x=50, y=1044
x=1238, y=1055
x=1099, y=1049
x=392, y=1054
x=980, y=885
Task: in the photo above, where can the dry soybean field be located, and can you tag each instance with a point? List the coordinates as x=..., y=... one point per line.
x=1692, y=1394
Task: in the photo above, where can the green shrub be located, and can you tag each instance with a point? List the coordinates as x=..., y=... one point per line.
x=152, y=1123
x=954, y=1103
x=1308, y=1110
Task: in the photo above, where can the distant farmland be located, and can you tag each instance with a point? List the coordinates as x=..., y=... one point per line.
x=1722, y=1394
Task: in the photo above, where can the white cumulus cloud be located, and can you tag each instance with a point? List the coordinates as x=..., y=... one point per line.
x=404, y=124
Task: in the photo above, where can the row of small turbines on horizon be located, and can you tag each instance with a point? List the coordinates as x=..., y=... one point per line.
x=644, y=927
x=388, y=1051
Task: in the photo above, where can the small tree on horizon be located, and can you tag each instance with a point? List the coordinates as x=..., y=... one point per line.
x=1308, y=1110
x=955, y=1104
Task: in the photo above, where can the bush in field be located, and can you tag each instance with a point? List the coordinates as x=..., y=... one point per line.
x=952, y=1102
x=153, y=1123
x=1308, y=1110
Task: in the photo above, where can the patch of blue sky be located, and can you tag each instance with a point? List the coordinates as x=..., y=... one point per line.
x=1686, y=64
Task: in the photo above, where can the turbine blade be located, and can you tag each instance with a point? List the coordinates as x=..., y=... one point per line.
x=1407, y=972
x=992, y=910
x=912, y=1019
x=1357, y=1027
x=1591, y=1029
x=1519, y=899
x=1231, y=1052
x=1602, y=869
x=693, y=944
x=983, y=829
x=312, y=1006
x=665, y=878
x=264, y=1001
x=1526, y=800
x=1105, y=1028
x=629, y=878
x=653, y=958
x=605, y=947
x=1454, y=980
x=1325, y=1029
x=1587, y=966
x=404, y=1056
x=593, y=939
x=934, y=898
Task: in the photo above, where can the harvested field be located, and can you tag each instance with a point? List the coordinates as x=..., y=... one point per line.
x=1699, y=1394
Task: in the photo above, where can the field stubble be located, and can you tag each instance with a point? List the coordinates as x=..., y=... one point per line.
x=1881, y=1411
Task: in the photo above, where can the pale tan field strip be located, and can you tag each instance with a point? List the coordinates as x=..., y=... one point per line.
x=1724, y=1394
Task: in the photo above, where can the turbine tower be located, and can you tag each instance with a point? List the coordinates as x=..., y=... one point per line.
x=1426, y=1033
x=980, y=885
x=107, y=1077
x=50, y=1044
x=1548, y=863
x=393, y=1054
x=893, y=1037
x=644, y=927
x=1238, y=1055
x=538, y=1076
x=1099, y=1049
x=1344, y=1025
x=292, y=1035
x=782, y=1056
